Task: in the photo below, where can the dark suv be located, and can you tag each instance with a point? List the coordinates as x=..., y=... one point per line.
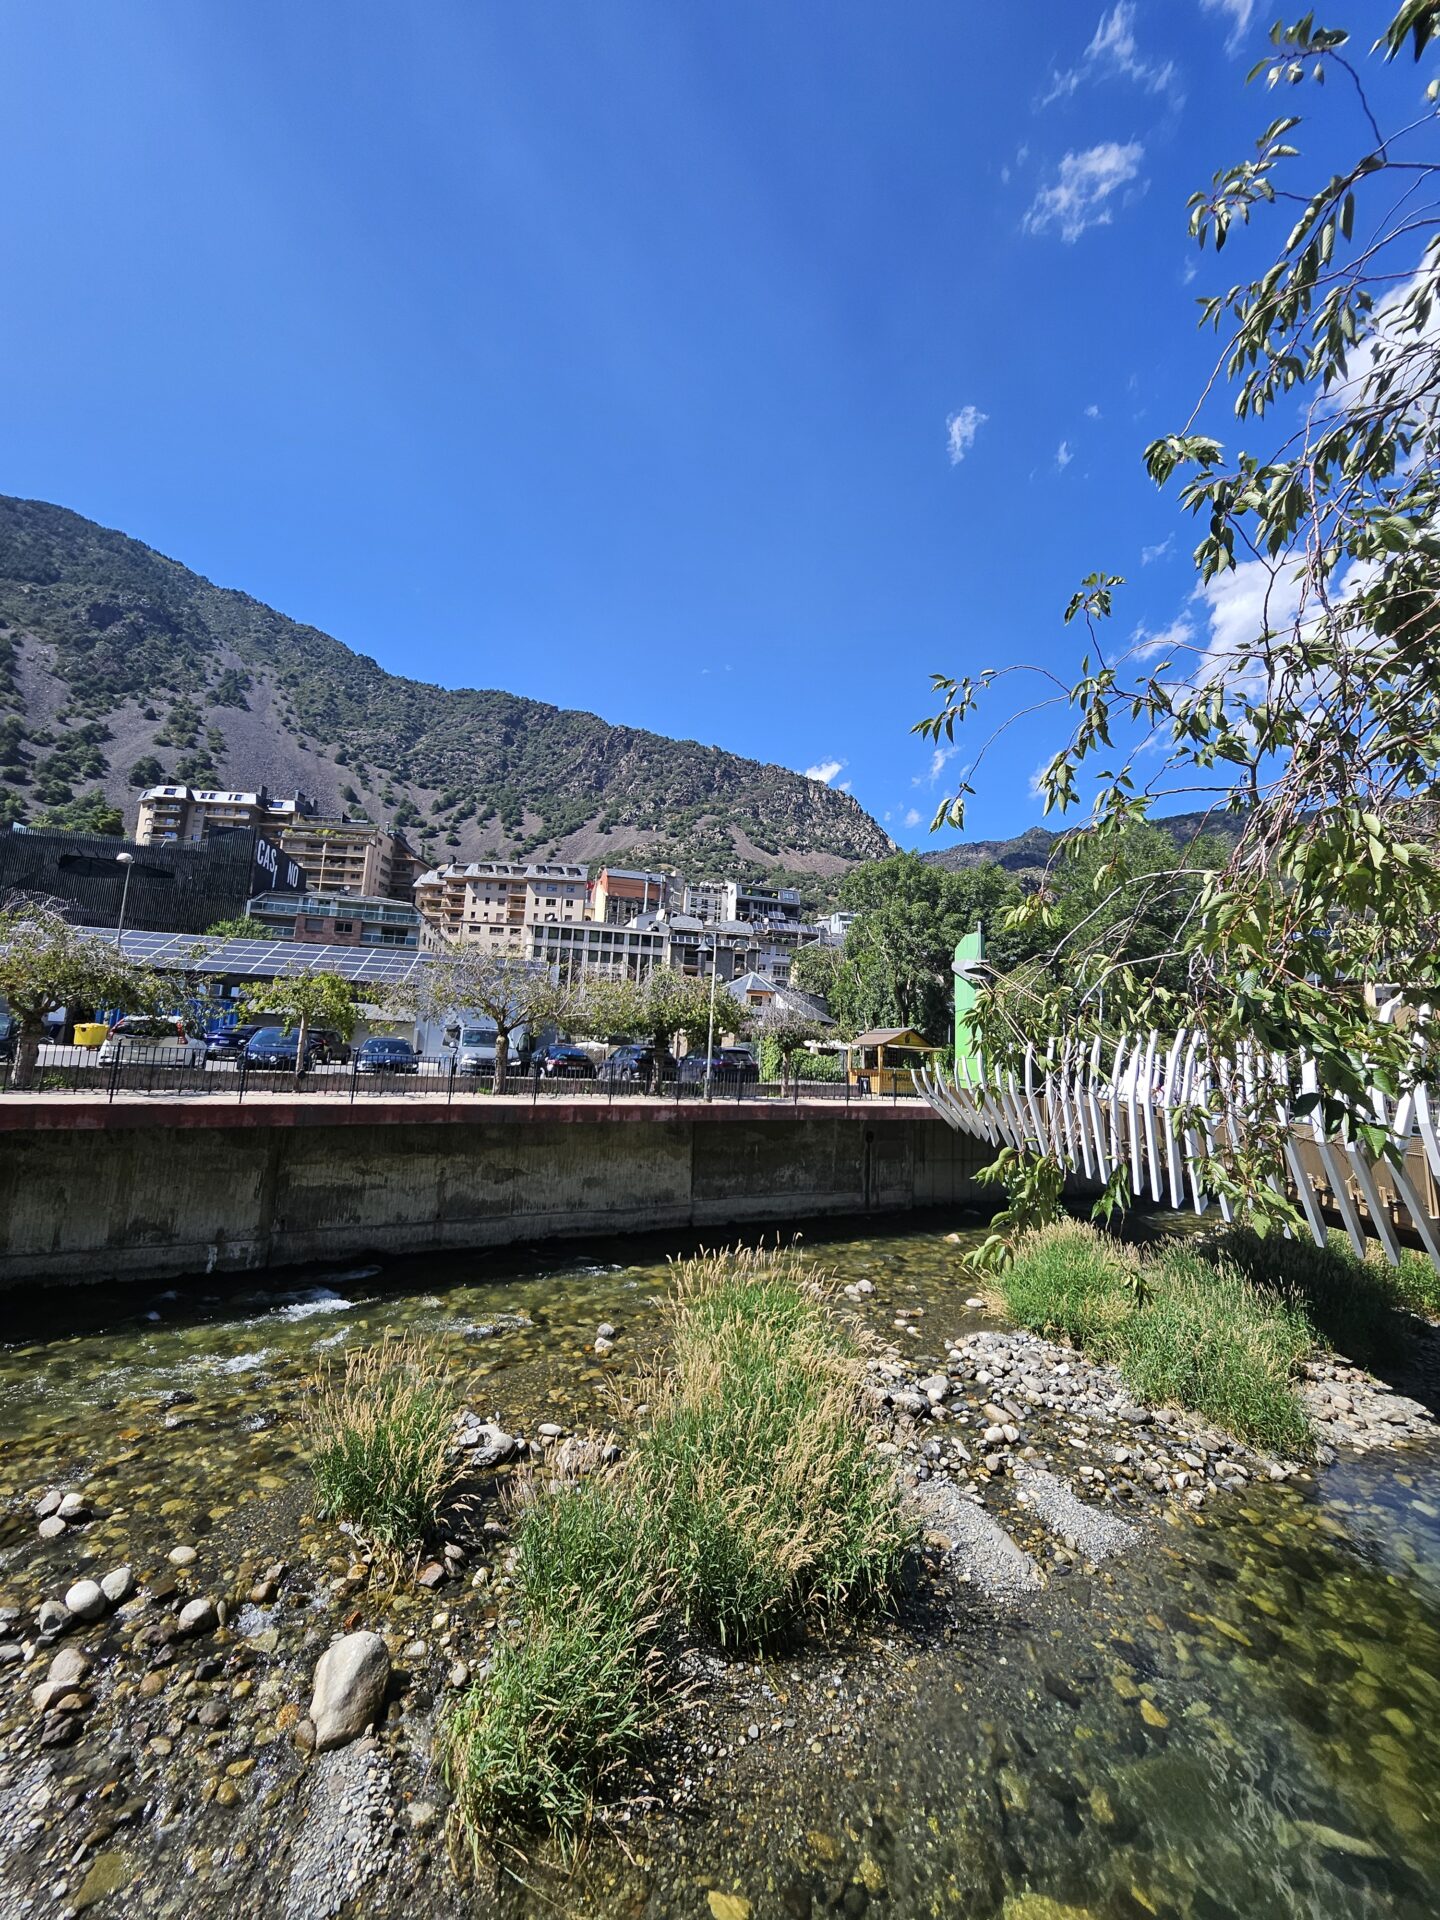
x=563, y=1063
x=272, y=1049
x=637, y=1065
x=729, y=1067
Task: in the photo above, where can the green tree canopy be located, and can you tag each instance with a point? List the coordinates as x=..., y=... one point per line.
x=46, y=965
x=514, y=994
x=1314, y=717
x=302, y=1001
x=88, y=813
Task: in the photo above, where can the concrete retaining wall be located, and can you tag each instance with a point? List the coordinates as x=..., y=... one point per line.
x=163, y=1188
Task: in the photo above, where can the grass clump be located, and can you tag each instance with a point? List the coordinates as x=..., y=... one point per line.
x=1070, y=1281
x=1356, y=1306
x=572, y=1694
x=1206, y=1338
x=750, y=1506
x=755, y=1457
x=1185, y=1328
x=379, y=1433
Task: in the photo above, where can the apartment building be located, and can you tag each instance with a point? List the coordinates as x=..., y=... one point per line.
x=581, y=947
x=493, y=902
x=620, y=893
x=734, y=900
x=338, y=919
x=187, y=816
x=343, y=855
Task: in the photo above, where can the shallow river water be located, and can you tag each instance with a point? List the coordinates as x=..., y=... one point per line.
x=1240, y=1720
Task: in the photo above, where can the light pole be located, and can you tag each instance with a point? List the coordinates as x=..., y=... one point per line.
x=126, y=860
x=710, y=1037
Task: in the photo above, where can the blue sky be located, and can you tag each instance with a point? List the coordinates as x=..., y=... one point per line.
x=720, y=368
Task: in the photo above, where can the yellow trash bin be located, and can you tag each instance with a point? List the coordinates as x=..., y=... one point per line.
x=90, y=1033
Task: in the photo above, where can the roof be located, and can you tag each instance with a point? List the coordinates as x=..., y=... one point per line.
x=893, y=1036
x=265, y=959
x=809, y=1005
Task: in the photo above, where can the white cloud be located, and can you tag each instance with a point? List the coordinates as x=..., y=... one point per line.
x=1149, y=555
x=1170, y=640
x=1189, y=272
x=1078, y=198
x=960, y=431
x=1239, y=12
x=825, y=771
x=1063, y=456
x=1092, y=412
x=913, y=817
x=1114, y=52
x=1037, y=781
x=845, y=786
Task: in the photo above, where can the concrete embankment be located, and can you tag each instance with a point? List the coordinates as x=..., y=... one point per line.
x=137, y=1188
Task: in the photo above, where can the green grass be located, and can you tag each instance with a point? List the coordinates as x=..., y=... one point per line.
x=1207, y=1339
x=1185, y=1328
x=1355, y=1306
x=775, y=1510
x=379, y=1434
x=749, y=1509
x=574, y=1692
x=1070, y=1282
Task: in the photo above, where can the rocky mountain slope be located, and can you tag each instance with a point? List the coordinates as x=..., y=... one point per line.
x=119, y=668
x=1027, y=854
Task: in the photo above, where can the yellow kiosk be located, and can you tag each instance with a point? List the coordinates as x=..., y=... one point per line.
x=885, y=1059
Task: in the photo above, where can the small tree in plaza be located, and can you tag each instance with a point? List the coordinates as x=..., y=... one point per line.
x=659, y=1009
x=785, y=1033
x=514, y=994
x=302, y=1001
x=46, y=965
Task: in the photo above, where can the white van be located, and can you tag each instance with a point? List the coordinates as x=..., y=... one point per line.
x=475, y=1051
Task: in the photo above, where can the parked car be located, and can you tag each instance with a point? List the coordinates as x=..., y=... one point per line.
x=382, y=1053
x=228, y=1043
x=475, y=1052
x=563, y=1063
x=272, y=1050
x=729, y=1067
x=636, y=1064
x=151, y=1040
x=9, y=1034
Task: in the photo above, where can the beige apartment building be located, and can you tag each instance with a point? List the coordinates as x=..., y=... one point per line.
x=188, y=815
x=492, y=902
x=352, y=856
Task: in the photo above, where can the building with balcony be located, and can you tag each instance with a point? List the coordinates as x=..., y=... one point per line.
x=343, y=855
x=620, y=893
x=318, y=918
x=187, y=816
x=577, y=948
x=492, y=903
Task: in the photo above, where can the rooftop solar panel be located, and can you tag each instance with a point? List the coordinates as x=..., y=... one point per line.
x=264, y=959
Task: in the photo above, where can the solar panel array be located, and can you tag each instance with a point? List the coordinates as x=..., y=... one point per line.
x=265, y=959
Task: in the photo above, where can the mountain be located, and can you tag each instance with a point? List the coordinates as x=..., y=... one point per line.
x=120, y=668
x=1028, y=854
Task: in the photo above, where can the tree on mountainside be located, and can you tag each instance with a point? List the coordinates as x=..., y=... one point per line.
x=1312, y=716
x=89, y=813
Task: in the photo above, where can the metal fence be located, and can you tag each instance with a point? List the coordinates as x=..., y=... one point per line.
x=79, y=1071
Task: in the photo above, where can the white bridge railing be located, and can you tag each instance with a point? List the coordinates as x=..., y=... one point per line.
x=1156, y=1108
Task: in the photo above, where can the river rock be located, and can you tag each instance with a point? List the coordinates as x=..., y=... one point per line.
x=183, y=1556
x=605, y=1331
x=198, y=1616
x=72, y=1507
x=350, y=1682
x=53, y=1616
x=85, y=1600
x=70, y=1665
x=52, y=1527
x=118, y=1586
x=48, y=1503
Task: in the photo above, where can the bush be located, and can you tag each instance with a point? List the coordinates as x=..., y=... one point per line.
x=772, y=1505
x=1207, y=1339
x=380, y=1436
x=829, y=1067
x=1070, y=1281
x=1355, y=1306
x=575, y=1691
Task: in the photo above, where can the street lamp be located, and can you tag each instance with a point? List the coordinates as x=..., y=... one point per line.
x=126, y=860
x=736, y=946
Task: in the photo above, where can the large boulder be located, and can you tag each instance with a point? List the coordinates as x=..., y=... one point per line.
x=350, y=1682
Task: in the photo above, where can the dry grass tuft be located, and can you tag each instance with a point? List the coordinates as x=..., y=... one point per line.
x=379, y=1431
